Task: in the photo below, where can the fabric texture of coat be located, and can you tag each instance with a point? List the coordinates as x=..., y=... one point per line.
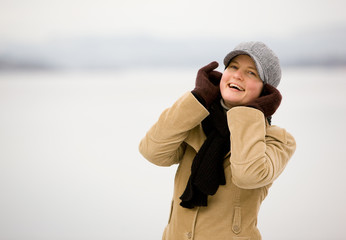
x=259, y=154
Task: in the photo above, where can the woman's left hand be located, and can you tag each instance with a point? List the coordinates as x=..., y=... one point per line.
x=268, y=102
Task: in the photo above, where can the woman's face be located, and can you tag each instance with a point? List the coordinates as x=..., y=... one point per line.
x=240, y=82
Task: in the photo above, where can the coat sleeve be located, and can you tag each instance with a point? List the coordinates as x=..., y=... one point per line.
x=163, y=143
x=259, y=153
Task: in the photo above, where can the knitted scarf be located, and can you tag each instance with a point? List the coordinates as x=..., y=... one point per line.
x=207, y=171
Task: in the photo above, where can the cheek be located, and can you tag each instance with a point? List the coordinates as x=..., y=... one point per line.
x=255, y=89
x=223, y=81
x=224, y=78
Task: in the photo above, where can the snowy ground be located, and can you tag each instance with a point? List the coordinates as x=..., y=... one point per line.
x=70, y=167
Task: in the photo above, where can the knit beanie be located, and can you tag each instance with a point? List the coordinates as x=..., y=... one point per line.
x=266, y=61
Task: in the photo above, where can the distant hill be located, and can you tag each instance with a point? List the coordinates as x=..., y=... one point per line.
x=315, y=47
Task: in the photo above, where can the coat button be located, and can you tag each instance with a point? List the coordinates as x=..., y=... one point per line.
x=189, y=235
x=236, y=229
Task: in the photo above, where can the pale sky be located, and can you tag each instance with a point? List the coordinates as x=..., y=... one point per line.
x=39, y=20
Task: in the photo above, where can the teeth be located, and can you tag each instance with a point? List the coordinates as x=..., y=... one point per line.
x=236, y=86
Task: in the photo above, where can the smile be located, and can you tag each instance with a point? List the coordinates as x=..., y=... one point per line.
x=235, y=86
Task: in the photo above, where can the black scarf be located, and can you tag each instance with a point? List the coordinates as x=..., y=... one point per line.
x=207, y=171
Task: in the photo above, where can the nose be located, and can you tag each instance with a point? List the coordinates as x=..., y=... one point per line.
x=238, y=75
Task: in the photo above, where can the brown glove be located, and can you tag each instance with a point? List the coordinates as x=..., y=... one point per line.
x=207, y=86
x=268, y=102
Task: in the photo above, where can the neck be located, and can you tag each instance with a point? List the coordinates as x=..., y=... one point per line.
x=224, y=105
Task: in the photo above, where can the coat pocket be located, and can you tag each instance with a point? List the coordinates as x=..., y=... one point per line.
x=236, y=225
x=241, y=238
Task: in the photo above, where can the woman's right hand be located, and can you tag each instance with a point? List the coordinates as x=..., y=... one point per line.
x=207, y=84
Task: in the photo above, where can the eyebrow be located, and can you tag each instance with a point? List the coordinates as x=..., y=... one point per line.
x=253, y=68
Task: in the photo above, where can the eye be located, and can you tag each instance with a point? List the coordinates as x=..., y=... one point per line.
x=253, y=73
x=233, y=66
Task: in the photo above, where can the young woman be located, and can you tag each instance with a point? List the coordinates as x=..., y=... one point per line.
x=228, y=152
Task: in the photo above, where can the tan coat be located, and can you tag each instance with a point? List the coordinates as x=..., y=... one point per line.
x=259, y=154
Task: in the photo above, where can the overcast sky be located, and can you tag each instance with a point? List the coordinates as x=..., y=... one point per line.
x=39, y=20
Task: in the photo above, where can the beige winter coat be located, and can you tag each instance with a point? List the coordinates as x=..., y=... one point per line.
x=259, y=154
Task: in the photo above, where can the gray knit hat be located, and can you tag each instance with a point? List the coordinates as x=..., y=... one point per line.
x=267, y=63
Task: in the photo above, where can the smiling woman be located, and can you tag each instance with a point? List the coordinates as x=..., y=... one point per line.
x=228, y=153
